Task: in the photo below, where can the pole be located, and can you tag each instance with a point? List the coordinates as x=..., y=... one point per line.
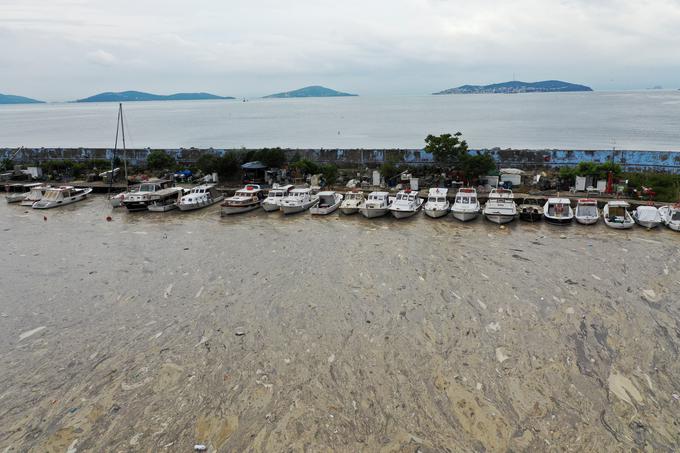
x=122, y=127
x=113, y=157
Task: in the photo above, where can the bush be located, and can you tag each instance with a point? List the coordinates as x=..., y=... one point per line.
x=666, y=186
x=160, y=160
x=330, y=173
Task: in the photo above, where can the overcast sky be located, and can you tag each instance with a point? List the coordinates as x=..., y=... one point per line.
x=67, y=49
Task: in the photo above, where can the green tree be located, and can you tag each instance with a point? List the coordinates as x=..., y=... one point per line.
x=389, y=170
x=477, y=165
x=6, y=164
x=160, y=160
x=271, y=157
x=447, y=149
x=307, y=167
x=330, y=173
x=208, y=163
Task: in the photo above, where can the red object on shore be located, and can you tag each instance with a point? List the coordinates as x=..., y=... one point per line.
x=45, y=218
x=610, y=182
x=108, y=218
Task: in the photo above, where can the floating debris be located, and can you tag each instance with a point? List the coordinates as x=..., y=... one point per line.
x=31, y=332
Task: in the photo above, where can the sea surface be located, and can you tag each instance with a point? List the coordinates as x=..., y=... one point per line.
x=259, y=332
x=642, y=120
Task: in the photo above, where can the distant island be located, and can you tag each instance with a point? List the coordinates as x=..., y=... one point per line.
x=546, y=86
x=130, y=96
x=314, y=91
x=12, y=99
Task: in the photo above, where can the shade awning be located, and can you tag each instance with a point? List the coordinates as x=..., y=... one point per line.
x=255, y=165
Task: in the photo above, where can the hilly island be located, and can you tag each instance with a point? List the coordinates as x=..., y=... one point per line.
x=130, y=96
x=545, y=86
x=314, y=91
x=12, y=99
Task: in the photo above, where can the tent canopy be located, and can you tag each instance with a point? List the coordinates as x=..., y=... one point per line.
x=255, y=165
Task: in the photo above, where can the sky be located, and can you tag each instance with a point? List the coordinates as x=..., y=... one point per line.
x=58, y=50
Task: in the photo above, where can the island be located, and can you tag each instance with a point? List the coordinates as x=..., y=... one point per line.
x=12, y=99
x=545, y=86
x=314, y=91
x=133, y=96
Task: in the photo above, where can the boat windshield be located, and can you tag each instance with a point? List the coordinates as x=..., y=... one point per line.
x=676, y=216
x=51, y=195
x=147, y=188
x=464, y=200
x=275, y=194
x=411, y=197
x=587, y=210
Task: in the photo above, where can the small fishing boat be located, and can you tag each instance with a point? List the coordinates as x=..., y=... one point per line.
x=165, y=199
x=586, y=212
x=531, y=210
x=275, y=196
x=140, y=200
x=671, y=216
x=376, y=205
x=298, y=200
x=558, y=211
x=243, y=200
x=500, y=207
x=466, y=205
x=616, y=215
x=61, y=196
x=34, y=195
x=437, y=204
x=117, y=200
x=353, y=199
x=199, y=197
x=328, y=202
x=647, y=216
x=17, y=192
x=406, y=204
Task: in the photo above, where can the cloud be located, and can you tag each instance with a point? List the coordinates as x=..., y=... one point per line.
x=101, y=57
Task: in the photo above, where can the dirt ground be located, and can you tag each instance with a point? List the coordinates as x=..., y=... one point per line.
x=258, y=332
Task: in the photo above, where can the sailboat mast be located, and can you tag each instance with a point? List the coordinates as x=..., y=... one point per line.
x=113, y=157
x=122, y=128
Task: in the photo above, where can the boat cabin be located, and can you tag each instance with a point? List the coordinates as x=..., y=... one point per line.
x=466, y=196
x=437, y=195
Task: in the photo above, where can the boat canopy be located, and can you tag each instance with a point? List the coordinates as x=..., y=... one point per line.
x=255, y=165
x=647, y=213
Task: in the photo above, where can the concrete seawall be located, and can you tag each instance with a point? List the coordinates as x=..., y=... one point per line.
x=632, y=160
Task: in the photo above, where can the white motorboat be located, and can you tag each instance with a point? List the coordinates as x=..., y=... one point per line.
x=406, y=204
x=140, y=200
x=199, y=197
x=328, y=202
x=558, y=211
x=61, y=196
x=298, y=200
x=437, y=204
x=500, y=207
x=353, y=199
x=165, y=199
x=466, y=205
x=531, y=210
x=616, y=215
x=117, y=200
x=647, y=216
x=376, y=205
x=671, y=216
x=275, y=196
x=34, y=195
x=17, y=192
x=586, y=212
x=244, y=200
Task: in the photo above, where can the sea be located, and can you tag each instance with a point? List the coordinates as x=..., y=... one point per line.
x=633, y=120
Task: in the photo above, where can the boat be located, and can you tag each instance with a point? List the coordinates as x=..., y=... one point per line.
x=671, y=216
x=117, y=200
x=647, y=216
x=350, y=204
x=437, y=205
x=165, y=199
x=199, y=197
x=34, y=195
x=376, y=205
x=586, y=212
x=406, y=204
x=500, y=207
x=558, y=211
x=17, y=192
x=140, y=200
x=243, y=200
x=274, y=197
x=298, y=200
x=329, y=201
x=61, y=196
x=466, y=205
x=531, y=210
x=616, y=215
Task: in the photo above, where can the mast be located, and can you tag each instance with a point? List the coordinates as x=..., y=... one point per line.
x=115, y=147
x=122, y=128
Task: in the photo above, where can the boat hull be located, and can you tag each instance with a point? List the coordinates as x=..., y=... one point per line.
x=649, y=224
x=294, y=209
x=619, y=225
x=324, y=211
x=230, y=210
x=270, y=207
x=465, y=216
x=48, y=204
x=15, y=198
x=162, y=207
x=436, y=213
x=500, y=218
x=349, y=211
x=403, y=214
x=199, y=205
x=586, y=220
x=371, y=213
x=531, y=216
x=558, y=220
x=675, y=226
